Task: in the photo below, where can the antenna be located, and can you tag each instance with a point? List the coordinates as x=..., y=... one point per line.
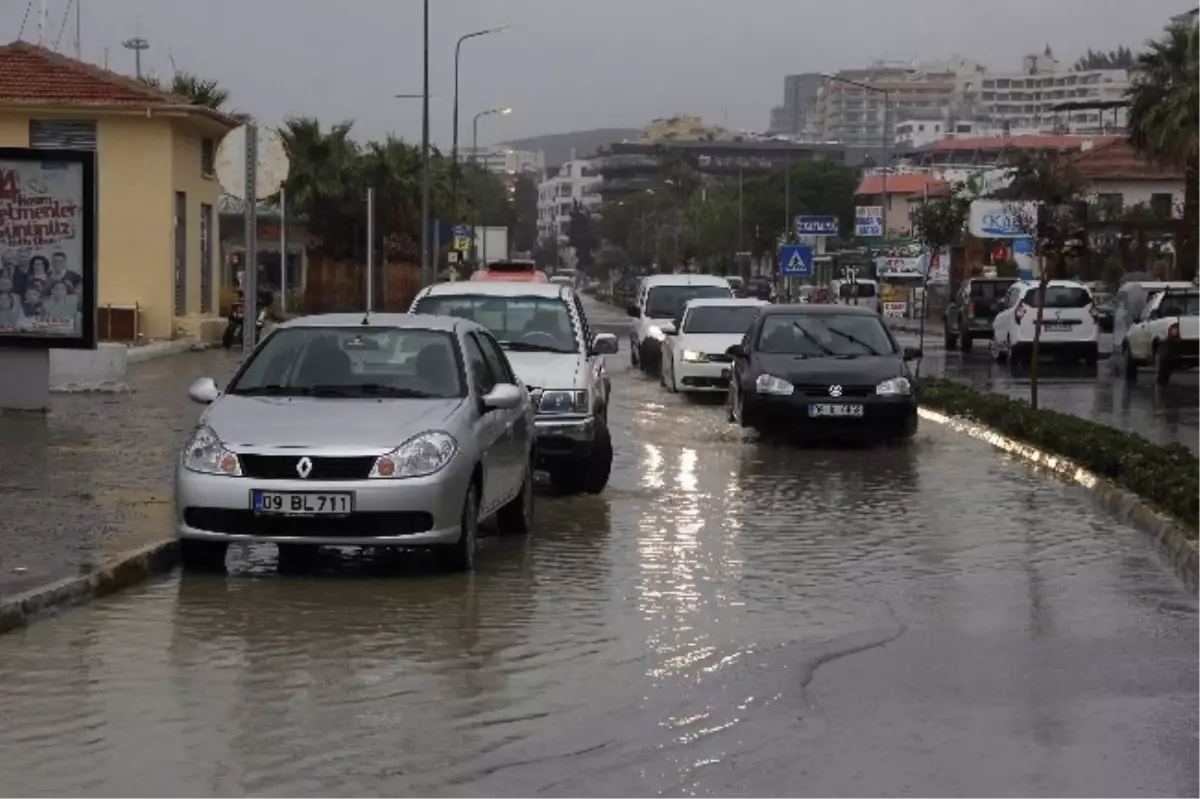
x=43, y=11
x=137, y=44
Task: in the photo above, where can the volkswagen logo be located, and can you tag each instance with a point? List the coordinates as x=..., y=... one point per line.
x=835, y=391
x=304, y=468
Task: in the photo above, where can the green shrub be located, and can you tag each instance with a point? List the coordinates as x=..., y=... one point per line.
x=1167, y=476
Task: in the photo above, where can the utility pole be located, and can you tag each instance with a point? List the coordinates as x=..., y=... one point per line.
x=137, y=44
x=78, y=28
x=426, y=260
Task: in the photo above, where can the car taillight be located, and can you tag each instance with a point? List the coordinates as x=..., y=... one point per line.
x=971, y=308
x=1019, y=312
x=1093, y=311
x=1173, y=331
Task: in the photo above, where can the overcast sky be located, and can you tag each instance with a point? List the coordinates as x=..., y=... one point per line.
x=566, y=64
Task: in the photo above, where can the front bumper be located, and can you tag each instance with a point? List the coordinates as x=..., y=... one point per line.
x=883, y=416
x=422, y=511
x=702, y=376
x=561, y=438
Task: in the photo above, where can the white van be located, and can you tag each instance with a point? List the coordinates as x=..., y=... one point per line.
x=659, y=301
x=862, y=291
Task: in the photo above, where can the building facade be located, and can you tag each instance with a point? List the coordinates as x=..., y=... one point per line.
x=158, y=193
x=1047, y=97
x=576, y=181
x=795, y=116
x=501, y=160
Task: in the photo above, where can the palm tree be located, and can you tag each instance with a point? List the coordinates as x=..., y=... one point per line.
x=1164, y=99
x=201, y=91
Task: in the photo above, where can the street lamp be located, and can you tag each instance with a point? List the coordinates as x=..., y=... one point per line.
x=475, y=156
x=454, y=145
x=426, y=255
x=886, y=141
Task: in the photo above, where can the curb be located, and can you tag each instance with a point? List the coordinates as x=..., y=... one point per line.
x=1127, y=507
x=121, y=572
x=161, y=349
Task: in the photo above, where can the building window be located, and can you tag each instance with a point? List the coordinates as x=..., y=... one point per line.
x=180, y=253
x=206, y=258
x=62, y=134
x=208, y=156
x=1161, y=205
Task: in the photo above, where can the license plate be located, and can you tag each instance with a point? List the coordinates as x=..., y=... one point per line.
x=301, y=503
x=724, y=374
x=1057, y=328
x=836, y=410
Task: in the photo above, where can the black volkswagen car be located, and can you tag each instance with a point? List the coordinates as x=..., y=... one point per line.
x=823, y=371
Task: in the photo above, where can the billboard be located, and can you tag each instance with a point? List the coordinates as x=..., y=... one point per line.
x=998, y=219
x=868, y=220
x=47, y=248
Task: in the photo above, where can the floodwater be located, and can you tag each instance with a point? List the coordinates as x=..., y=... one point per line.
x=730, y=617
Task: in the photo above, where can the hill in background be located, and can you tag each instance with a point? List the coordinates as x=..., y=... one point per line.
x=558, y=146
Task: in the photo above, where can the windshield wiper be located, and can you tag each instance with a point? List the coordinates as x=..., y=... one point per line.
x=272, y=390
x=525, y=346
x=853, y=339
x=813, y=339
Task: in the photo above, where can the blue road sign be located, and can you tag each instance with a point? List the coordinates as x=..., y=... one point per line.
x=462, y=230
x=795, y=260
x=816, y=226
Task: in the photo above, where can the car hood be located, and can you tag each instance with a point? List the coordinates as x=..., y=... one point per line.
x=371, y=424
x=548, y=369
x=711, y=343
x=860, y=371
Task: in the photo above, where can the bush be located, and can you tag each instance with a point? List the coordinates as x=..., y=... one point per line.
x=1165, y=476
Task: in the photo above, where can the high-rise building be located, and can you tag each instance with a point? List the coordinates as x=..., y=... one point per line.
x=794, y=117
x=1047, y=97
x=575, y=181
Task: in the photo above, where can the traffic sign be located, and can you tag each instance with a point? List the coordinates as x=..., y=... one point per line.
x=795, y=260
x=816, y=226
x=462, y=243
x=868, y=220
x=462, y=230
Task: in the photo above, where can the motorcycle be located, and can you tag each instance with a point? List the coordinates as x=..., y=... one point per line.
x=233, y=328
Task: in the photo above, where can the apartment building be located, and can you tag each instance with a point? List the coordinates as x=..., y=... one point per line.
x=795, y=116
x=578, y=180
x=1048, y=97
x=500, y=160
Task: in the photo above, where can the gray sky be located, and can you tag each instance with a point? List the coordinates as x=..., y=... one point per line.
x=567, y=64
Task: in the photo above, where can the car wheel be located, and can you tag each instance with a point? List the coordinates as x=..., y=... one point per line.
x=599, y=466
x=1128, y=364
x=951, y=340
x=1162, y=369
x=967, y=343
x=1092, y=357
x=633, y=353
x=296, y=558
x=516, y=517
x=460, y=556
x=202, y=556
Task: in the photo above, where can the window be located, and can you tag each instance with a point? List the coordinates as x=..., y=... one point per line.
x=208, y=156
x=824, y=335
x=666, y=302
x=1060, y=297
x=521, y=324
x=477, y=366
x=496, y=361
x=720, y=319
x=62, y=134
x=1161, y=205
x=206, y=258
x=180, y=253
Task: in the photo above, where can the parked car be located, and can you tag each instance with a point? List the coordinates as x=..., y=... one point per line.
x=970, y=313
x=822, y=371
x=345, y=430
x=659, y=300
x=544, y=332
x=1167, y=335
x=1069, y=327
x=694, y=356
x=1131, y=301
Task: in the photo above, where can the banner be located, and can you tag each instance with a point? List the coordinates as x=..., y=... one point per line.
x=894, y=309
x=47, y=270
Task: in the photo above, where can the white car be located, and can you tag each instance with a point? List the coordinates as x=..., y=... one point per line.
x=544, y=332
x=659, y=300
x=694, y=358
x=1069, y=327
x=1131, y=301
x=1166, y=335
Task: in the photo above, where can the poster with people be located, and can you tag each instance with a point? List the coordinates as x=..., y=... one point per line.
x=45, y=265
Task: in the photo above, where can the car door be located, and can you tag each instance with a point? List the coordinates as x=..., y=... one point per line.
x=490, y=429
x=596, y=365
x=1139, y=334
x=518, y=422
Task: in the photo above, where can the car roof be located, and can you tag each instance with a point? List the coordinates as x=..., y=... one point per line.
x=1055, y=283
x=499, y=288
x=1157, y=285
x=398, y=320
x=805, y=309
x=734, y=302
x=685, y=280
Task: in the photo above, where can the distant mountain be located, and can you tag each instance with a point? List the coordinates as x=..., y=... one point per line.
x=558, y=146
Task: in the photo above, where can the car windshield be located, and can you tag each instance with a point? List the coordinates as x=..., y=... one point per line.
x=666, y=302
x=824, y=335
x=353, y=362
x=1180, y=305
x=1060, y=297
x=528, y=324
x=720, y=319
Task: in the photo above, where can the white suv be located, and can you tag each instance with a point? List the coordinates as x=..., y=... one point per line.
x=1069, y=327
x=545, y=334
x=1167, y=335
x=660, y=299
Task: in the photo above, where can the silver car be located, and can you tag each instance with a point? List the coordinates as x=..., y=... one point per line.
x=344, y=430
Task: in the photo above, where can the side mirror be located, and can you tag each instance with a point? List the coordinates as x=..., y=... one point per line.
x=204, y=390
x=604, y=344
x=634, y=311
x=736, y=351
x=504, y=396
x=912, y=353
x=668, y=328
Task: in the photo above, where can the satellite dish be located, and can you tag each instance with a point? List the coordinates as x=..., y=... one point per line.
x=272, y=165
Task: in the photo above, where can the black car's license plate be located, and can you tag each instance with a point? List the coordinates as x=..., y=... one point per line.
x=302, y=503
x=835, y=410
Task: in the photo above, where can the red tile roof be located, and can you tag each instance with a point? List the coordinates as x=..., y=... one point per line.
x=909, y=183
x=1038, y=142
x=1117, y=160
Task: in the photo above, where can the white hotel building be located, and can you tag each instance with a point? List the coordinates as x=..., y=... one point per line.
x=576, y=180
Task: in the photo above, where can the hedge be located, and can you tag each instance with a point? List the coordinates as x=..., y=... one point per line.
x=1167, y=476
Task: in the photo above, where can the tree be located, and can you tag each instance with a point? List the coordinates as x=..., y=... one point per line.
x=939, y=223
x=1121, y=58
x=201, y=91
x=580, y=236
x=1164, y=98
x=545, y=253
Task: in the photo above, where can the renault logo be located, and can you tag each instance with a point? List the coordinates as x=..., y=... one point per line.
x=304, y=468
x=835, y=391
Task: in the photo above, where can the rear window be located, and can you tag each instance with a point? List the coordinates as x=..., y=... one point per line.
x=1060, y=297
x=512, y=266
x=989, y=289
x=1180, y=305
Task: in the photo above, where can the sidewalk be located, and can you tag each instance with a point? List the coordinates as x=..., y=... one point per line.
x=93, y=477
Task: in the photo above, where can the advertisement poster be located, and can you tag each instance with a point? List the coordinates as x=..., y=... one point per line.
x=47, y=274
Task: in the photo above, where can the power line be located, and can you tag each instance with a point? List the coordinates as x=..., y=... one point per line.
x=63, y=25
x=24, y=19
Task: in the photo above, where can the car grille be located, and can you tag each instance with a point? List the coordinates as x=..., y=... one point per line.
x=283, y=467
x=245, y=522
x=822, y=390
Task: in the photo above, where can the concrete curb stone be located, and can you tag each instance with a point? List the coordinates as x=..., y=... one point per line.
x=161, y=349
x=1127, y=507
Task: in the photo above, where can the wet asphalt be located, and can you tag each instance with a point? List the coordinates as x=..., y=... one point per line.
x=730, y=617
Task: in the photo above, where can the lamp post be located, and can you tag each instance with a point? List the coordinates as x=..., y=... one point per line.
x=886, y=139
x=426, y=260
x=454, y=146
x=475, y=159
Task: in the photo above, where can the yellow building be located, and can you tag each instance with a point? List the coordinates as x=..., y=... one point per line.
x=158, y=197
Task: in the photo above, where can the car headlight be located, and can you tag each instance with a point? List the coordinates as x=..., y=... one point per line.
x=420, y=456
x=770, y=384
x=563, y=402
x=655, y=332
x=894, y=387
x=692, y=356
x=206, y=454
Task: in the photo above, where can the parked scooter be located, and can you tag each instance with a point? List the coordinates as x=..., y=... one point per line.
x=233, y=328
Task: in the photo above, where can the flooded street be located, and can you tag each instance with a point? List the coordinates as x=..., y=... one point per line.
x=730, y=617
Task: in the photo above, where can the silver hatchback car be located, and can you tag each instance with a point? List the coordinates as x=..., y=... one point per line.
x=345, y=430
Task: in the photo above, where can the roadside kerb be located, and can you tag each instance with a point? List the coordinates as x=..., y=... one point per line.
x=114, y=575
x=1127, y=507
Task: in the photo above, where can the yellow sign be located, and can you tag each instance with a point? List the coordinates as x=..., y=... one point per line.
x=462, y=243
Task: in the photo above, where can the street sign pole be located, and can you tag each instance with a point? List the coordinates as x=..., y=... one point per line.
x=283, y=270
x=370, y=247
x=250, y=259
